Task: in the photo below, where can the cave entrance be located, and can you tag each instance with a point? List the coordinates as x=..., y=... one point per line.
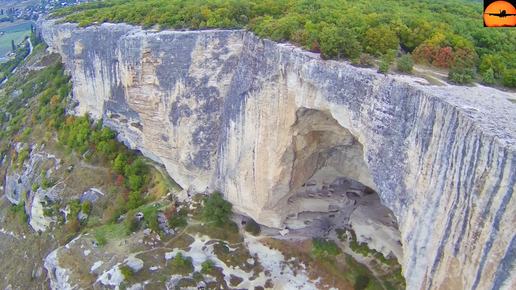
x=333, y=187
x=346, y=204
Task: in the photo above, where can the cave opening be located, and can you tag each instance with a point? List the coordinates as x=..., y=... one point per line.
x=333, y=187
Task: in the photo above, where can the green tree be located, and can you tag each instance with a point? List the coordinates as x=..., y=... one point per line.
x=126, y=271
x=339, y=43
x=488, y=77
x=379, y=40
x=509, y=78
x=86, y=207
x=285, y=28
x=135, y=200
x=75, y=208
x=136, y=182
x=384, y=67
x=182, y=263
x=217, y=209
x=150, y=215
x=461, y=76
x=389, y=56
x=207, y=266
x=252, y=227
x=404, y=34
x=405, y=63
x=494, y=62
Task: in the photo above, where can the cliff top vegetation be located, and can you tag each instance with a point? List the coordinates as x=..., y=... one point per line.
x=446, y=34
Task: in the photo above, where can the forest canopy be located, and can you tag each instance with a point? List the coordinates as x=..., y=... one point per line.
x=446, y=34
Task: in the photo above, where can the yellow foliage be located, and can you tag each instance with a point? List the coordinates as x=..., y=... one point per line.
x=51, y=124
x=205, y=13
x=54, y=100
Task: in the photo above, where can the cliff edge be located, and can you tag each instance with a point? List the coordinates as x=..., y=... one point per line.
x=266, y=123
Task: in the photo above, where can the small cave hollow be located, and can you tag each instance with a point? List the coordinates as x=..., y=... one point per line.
x=333, y=188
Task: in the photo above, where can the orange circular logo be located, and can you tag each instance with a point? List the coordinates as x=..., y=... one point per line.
x=500, y=14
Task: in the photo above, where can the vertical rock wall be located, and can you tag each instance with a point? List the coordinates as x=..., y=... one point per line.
x=255, y=119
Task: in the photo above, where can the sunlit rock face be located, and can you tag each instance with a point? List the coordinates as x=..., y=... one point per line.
x=224, y=110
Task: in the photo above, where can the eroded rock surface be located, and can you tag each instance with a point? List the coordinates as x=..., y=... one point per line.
x=19, y=187
x=256, y=120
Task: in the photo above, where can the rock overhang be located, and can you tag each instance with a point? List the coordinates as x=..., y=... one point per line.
x=431, y=150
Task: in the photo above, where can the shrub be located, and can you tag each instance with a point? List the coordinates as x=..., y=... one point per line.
x=93, y=221
x=341, y=234
x=223, y=247
x=361, y=248
x=25, y=216
x=382, y=259
x=252, y=227
x=461, y=76
x=389, y=56
x=178, y=261
x=315, y=46
x=365, y=60
x=361, y=282
x=73, y=226
x=177, y=221
x=86, y=207
x=217, y=209
x=207, y=266
x=101, y=239
x=132, y=222
x=74, y=207
x=384, y=67
x=509, y=78
x=198, y=277
x=488, y=77
x=233, y=228
x=126, y=271
x=150, y=215
x=181, y=263
x=46, y=183
x=20, y=208
x=324, y=245
x=22, y=156
x=405, y=63
x=48, y=212
x=135, y=200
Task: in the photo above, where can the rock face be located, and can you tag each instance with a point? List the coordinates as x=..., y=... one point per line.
x=257, y=120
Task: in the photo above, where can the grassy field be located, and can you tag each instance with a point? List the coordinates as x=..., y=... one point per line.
x=19, y=27
x=5, y=40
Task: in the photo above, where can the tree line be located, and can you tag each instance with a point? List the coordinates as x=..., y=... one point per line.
x=446, y=34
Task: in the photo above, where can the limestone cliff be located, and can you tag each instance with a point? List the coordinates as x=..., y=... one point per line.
x=259, y=120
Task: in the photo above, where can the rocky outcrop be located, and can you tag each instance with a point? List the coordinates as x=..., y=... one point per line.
x=257, y=120
x=19, y=187
x=58, y=276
